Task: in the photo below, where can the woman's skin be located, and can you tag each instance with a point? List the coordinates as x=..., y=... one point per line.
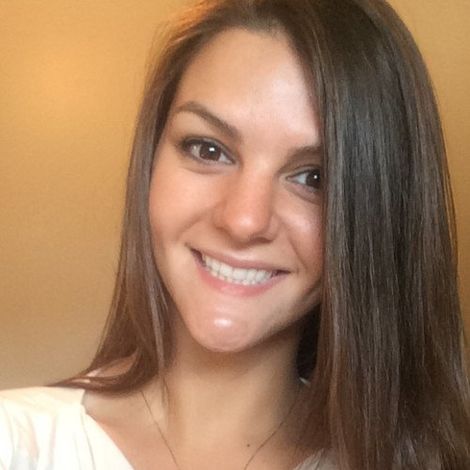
x=236, y=178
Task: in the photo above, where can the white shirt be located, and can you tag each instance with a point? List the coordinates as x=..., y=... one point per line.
x=48, y=428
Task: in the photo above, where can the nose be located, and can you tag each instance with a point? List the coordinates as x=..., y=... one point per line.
x=247, y=209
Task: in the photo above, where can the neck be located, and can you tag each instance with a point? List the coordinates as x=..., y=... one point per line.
x=237, y=397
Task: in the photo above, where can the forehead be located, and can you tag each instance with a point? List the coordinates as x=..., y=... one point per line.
x=254, y=80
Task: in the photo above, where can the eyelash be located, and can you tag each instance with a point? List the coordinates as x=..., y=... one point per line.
x=191, y=142
x=308, y=188
x=186, y=145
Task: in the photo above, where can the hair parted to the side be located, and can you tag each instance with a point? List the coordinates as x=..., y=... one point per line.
x=389, y=388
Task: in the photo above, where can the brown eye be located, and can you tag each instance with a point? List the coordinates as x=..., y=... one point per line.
x=209, y=151
x=206, y=151
x=311, y=179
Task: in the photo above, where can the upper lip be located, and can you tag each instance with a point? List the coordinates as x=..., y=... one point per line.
x=245, y=263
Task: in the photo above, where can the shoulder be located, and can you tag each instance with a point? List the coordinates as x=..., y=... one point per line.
x=28, y=407
x=40, y=398
x=33, y=420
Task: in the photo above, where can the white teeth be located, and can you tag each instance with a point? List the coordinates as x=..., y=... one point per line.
x=225, y=270
x=235, y=275
x=215, y=265
x=239, y=274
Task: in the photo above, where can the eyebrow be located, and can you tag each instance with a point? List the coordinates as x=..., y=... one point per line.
x=211, y=118
x=203, y=112
x=311, y=152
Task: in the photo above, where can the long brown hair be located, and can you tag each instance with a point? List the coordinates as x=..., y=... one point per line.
x=384, y=355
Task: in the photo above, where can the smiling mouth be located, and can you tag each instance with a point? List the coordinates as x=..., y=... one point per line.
x=235, y=275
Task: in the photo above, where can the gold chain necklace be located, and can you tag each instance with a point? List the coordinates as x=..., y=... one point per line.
x=266, y=440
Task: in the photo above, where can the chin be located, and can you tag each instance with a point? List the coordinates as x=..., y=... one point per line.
x=220, y=348
x=222, y=337
x=230, y=336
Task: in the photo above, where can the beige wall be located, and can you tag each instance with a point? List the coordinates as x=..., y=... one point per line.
x=71, y=74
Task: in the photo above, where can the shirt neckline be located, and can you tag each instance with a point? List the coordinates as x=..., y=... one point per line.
x=90, y=421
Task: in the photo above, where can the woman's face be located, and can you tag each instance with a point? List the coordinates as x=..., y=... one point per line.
x=235, y=199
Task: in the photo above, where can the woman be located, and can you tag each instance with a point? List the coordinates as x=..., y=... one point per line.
x=286, y=295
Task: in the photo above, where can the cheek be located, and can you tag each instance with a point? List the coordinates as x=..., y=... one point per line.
x=178, y=196
x=305, y=228
x=169, y=199
x=160, y=208
x=164, y=182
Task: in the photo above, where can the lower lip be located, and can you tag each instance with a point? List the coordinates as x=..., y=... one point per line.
x=232, y=288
